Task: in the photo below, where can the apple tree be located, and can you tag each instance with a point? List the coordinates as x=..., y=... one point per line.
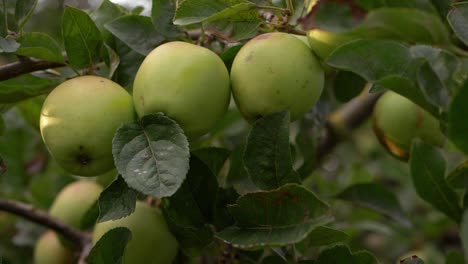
x=240, y=131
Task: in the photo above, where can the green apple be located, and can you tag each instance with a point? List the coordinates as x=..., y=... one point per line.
x=79, y=119
x=275, y=72
x=48, y=249
x=188, y=83
x=74, y=200
x=397, y=121
x=323, y=43
x=151, y=243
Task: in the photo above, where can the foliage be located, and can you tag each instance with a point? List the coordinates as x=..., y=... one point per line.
x=257, y=191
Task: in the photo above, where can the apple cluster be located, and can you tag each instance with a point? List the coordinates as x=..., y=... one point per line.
x=190, y=84
x=272, y=72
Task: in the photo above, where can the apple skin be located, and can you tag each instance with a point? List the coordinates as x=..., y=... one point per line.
x=151, y=242
x=74, y=200
x=275, y=72
x=397, y=121
x=48, y=249
x=78, y=122
x=188, y=83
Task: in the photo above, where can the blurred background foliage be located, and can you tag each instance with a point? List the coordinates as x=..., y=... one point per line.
x=34, y=177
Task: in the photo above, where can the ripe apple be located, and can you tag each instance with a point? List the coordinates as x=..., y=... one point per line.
x=151, y=242
x=188, y=83
x=397, y=121
x=74, y=200
x=48, y=249
x=79, y=119
x=275, y=72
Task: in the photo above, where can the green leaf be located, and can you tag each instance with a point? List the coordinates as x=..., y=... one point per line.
x=342, y=254
x=267, y=155
x=347, y=85
x=106, y=12
x=274, y=218
x=137, y=32
x=110, y=248
x=376, y=197
x=214, y=158
x=457, y=126
x=306, y=141
x=323, y=236
x=458, y=19
x=372, y=59
x=152, y=155
x=162, y=13
x=408, y=89
x=24, y=87
x=444, y=64
x=190, y=209
x=129, y=64
x=89, y=218
x=30, y=110
x=229, y=54
x=112, y=60
x=41, y=46
x=23, y=11
x=406, y=24
x=388, y=65
x=116, y=201
x=427, y=168
x=458, y=178
x=81, y=38
x=196, y=11
x=238, y=176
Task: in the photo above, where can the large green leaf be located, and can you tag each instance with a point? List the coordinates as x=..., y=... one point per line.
x=40, y=45
x=191, y=208
x=24, y=87
x=196, y=11
x=110, y=248
x=275, y=218
x=138, y=32
x=457, y=125
x=152, y=155
x=407, y=24
x=324, y=236
x=458, y=19
x=162, y=13
x=375, y=197
x=388, y=64
x=23, y=11
x=267, y=155
x=427, y=168
x=116, y=201
x=81, y=38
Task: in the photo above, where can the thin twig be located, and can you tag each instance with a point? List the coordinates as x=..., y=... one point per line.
x=20, y=67
x=40, y=217
x=348, y=117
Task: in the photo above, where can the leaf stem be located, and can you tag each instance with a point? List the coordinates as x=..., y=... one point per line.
x=289, y=4
x=271, y=8
x=458, y=51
